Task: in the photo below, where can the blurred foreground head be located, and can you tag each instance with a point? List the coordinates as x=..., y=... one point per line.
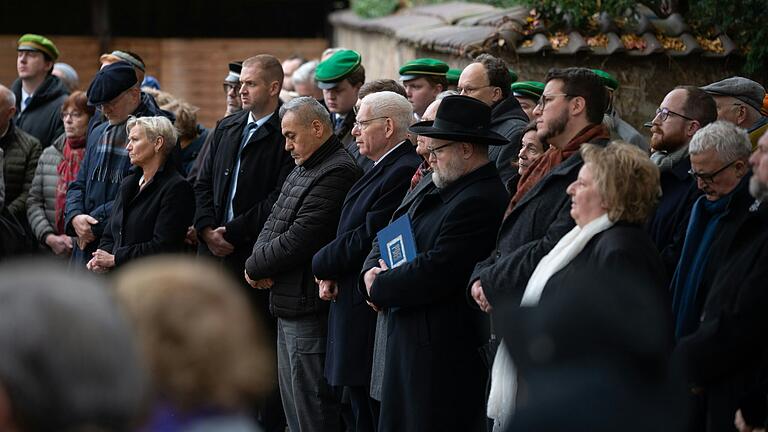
x=197, y=333
x=67, y=356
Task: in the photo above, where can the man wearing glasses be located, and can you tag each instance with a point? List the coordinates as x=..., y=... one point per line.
x=116, y=93
x=684, y=111
x=739, y=101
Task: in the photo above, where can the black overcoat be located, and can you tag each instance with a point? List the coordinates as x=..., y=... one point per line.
x=434, y=378
x=367, y=209
x=151, y=221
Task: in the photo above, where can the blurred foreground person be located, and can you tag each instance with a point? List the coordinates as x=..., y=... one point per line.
x=594, y=316
x=206, y=371
x=67, y=357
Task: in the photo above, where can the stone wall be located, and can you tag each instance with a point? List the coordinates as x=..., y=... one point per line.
x=644, y=80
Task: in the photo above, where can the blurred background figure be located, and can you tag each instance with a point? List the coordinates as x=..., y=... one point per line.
x=531, y=147
x=304, y=81
x=56, y=168
x=290, y=65
x=207, y=370
x=69, y=361
x=232, y=88
x=67, y=75
x=192, y=134
x=154, y=205
x=528, y=94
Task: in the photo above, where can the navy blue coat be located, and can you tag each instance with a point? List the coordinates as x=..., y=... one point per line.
x=367, y=209
x=435, y=378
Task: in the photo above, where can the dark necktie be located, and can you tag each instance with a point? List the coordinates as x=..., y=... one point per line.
x=338, y=122
x=247, y=134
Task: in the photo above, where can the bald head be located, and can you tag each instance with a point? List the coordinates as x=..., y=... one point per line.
x=7, y=98
x=7, y=108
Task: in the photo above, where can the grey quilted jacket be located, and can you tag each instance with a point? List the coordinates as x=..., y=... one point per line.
x=41, y=202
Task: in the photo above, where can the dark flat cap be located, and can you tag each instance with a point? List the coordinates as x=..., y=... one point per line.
x=110, y=82
x=743, y=89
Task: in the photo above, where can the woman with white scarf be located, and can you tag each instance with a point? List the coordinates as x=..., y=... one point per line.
x=616, y=190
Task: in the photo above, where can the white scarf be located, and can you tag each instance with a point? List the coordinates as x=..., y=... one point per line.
x=501, y=399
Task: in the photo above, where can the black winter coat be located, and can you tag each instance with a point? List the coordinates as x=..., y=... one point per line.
x=42, y=118
x=726, y=355
x=303, y=220
x=536, y=224
x=367, y=209
x=152, y=220
x=264, y=165
x=509, y=120
x=434, y=378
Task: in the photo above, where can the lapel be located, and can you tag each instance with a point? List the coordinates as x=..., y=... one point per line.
x=231, y=136
x=374, y=172
x=411, y=196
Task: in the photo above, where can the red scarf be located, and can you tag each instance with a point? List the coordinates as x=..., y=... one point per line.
x=552, y=158
x=421, y=171
x=74, y=150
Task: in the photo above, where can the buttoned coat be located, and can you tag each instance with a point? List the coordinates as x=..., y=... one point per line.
x=434, y=378
x=264, y=165
x=367, y=209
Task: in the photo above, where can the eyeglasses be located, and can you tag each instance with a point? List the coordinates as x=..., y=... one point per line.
x=362, y=124
x=112, y=103
x=470, y=90
x=708, y=178
x=663, y=114
x=231, y=87
x=434, y=151
x=545, y=99
x=74, y=114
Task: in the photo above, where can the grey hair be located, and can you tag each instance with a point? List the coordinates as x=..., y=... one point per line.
x=729, y=141
x=154, y=127
x=307, y=109
x=445, y=93
x=392, y=105
x=63, y=341
x=8, y=95
x=305, y=74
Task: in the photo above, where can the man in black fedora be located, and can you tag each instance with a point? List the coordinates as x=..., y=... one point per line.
x=434, y=378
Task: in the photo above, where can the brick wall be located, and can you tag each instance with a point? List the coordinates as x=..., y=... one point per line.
x=191, y=69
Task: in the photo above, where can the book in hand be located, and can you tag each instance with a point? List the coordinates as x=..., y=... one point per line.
x=396, y=242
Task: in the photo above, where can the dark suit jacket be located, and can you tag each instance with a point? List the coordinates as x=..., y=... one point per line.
x=367, y=209
x=264, y=165
x=151, y=221
x=434, y=377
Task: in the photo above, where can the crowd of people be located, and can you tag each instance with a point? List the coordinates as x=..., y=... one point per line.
x=567, y=273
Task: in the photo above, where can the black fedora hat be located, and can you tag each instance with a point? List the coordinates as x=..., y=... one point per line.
x=461, y=118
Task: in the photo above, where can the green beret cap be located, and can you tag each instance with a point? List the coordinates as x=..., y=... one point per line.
x=422, y=66
x=33, y=42
x=513, y=75
x=453, y=76
x=608, y=79
x=528, y=89
x=337, y=67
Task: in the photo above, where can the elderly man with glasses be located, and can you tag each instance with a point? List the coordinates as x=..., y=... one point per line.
x=684, y=111
x=115, y=91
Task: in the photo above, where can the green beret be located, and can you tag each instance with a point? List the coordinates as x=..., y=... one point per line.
x=453, y=76
x=422, y=66
x=337, y=67
x=33, y=42
x=608, y=79
x=513, y=75
x=528, y=89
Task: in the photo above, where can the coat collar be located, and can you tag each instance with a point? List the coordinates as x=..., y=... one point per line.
x=329, y=146
x=405, y=148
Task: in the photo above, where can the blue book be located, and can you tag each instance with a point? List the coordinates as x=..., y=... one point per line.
x=396, y=242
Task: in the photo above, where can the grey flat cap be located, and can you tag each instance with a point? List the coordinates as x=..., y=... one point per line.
x=743, y=89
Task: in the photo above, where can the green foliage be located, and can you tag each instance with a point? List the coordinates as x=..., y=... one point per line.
x=374, y=8
x=743, y=20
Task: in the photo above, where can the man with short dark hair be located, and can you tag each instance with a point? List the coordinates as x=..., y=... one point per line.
x=39, y=94
x=569, y=114
x=489, y=80
x=684, y=111
x=341, y=76
x=90, y=197
x=739, y=101
x=302, y=220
